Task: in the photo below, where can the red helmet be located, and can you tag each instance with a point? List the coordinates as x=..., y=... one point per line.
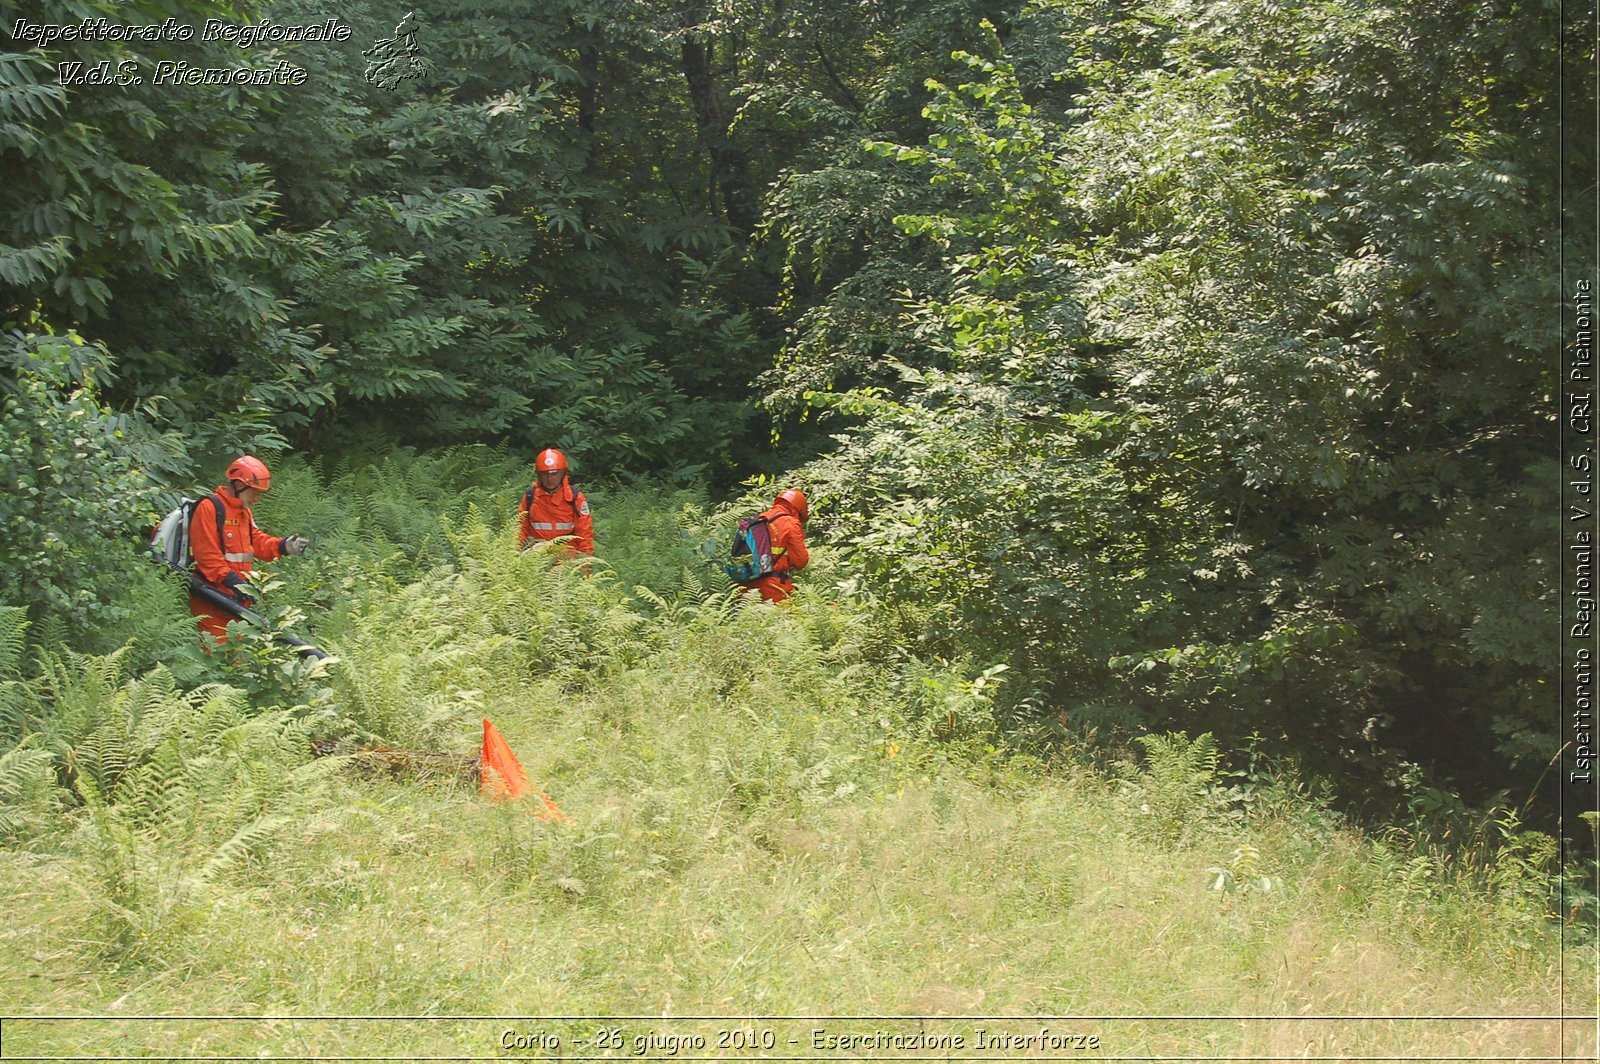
x=251, y=471
x=550, y=459
x=796, y=500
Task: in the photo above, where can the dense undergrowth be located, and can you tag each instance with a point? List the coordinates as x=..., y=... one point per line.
x=773, y=811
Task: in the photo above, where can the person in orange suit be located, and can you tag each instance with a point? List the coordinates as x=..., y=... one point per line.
x=226, y=563
x=787, y=522
x=553, y=508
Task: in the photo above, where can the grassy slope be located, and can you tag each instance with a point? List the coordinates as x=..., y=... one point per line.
x=782, y=838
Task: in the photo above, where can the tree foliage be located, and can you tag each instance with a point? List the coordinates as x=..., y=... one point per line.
x=77, y=483
x=474, y=255
x=1237, y=383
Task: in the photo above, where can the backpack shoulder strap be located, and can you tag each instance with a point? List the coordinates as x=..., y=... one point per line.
x=217, y=508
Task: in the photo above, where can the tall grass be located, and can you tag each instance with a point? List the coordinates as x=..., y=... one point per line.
x=774, y=811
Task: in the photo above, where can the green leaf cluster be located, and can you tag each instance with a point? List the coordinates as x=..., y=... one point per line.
x=1229, y=411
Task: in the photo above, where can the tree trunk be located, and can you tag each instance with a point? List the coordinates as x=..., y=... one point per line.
x=730, y=175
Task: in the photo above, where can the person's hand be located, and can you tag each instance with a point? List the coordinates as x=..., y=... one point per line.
x=295, y=544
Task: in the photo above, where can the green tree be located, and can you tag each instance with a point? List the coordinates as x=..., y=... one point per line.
x=77, y=485
x=1238, y=371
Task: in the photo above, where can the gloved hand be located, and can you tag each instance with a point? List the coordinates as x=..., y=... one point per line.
x=239, y=589
x=295, y=544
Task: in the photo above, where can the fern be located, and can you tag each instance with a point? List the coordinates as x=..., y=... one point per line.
x=652, y=598
x=1243, y=873
x=240, y=844
x=78, y=694
x=177, y=788
x=26, y=779
x=1180, y=787
x=13, y=693
x=101, y=758
x=1178, y=764
x=13, y=629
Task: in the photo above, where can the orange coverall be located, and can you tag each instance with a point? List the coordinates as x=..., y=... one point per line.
x=225, y=564
x=788, y=533
x=550, y=515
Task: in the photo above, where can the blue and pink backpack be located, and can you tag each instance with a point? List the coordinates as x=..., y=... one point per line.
x=752, y=543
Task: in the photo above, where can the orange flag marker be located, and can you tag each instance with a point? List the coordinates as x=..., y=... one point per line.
x=502, y=777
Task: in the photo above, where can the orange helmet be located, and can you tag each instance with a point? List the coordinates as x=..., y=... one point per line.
x=549, y=459
x=251, y=471
x=796, y=500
